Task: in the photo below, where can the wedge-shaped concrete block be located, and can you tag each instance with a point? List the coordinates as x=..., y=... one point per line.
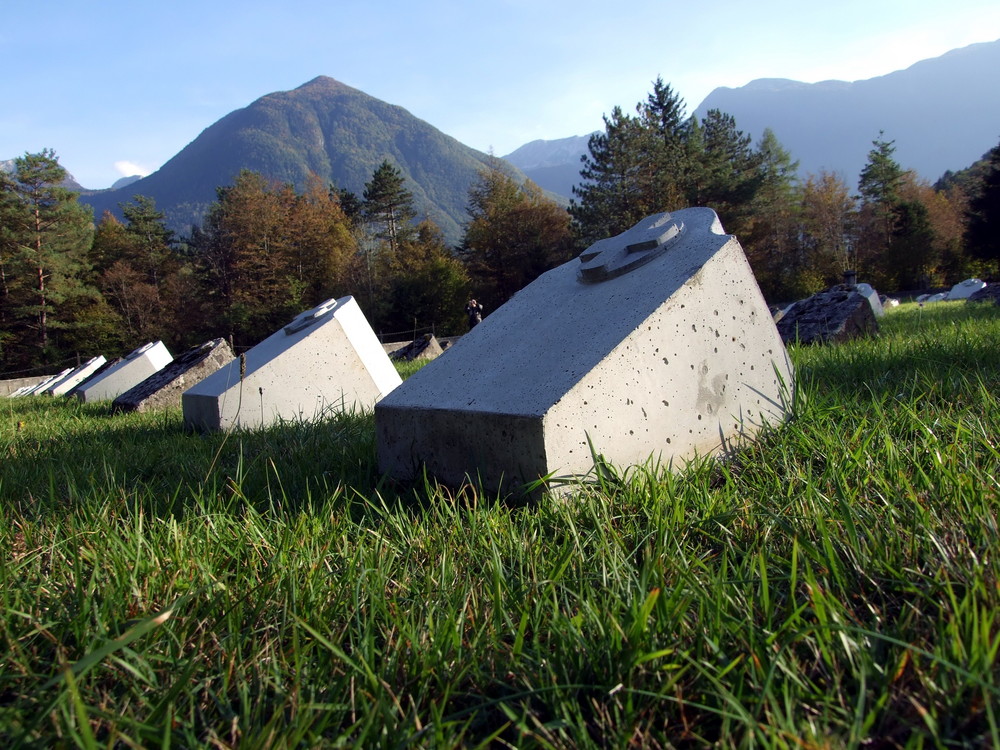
x=655, y=344
x=130, y=371
x=965, y=289
x=39, y=388
x=64, y=385
x=326, y=358
x=163, y=389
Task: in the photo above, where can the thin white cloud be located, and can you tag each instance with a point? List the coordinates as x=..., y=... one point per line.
x=130, y=168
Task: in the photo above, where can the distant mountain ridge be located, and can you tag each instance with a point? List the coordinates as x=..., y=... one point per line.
x=942, y=113
x=552, y=165
x=323, y=127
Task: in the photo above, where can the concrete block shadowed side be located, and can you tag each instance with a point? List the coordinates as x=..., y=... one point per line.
x=326, y=358
x=655, y=344
x=77, y=376
x=130, y=371
x=163, y=389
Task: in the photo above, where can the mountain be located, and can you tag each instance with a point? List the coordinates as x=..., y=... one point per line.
x=552, y=165
x=942, y=113
x=70, y=183
x=125, y=181
x=325, y=128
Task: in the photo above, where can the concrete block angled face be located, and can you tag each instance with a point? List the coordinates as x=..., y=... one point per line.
x=69, y=382
x=129, y=372
x=656, y=344
x=327, y=358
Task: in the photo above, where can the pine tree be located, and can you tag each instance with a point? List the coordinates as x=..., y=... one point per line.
x=983, y=232
x=611, y=198
x=45, y=238
x=879, y=185
x=388, y=205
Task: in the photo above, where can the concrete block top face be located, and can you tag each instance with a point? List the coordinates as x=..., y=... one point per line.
x=77, y=376
x=668, y=356
x=327, y=357
x=127, y=373
x=164, y=388
x=965, y=289
x=615, y=256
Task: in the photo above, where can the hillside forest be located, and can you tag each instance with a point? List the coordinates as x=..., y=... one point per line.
x=73, y=285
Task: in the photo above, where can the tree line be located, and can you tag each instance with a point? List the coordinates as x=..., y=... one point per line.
x=897, y=231
x=70, y=287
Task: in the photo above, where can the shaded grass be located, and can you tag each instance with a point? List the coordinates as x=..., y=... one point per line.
x=834, y=585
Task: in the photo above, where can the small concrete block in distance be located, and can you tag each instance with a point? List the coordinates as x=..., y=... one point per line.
x=965, y=289
x=838, y=314
x=868, y=292
x=130, y=371
x=163, y=389
x=652, y=345
x=39, y=388
x=326, y=358
x=77, y=376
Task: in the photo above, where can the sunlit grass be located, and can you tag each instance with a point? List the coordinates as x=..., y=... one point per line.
x=835, y=585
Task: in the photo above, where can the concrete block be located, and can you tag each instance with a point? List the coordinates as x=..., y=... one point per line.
x=326, y=358
x=38, y=388
x=135, y=367
x=965, y=289
x=655, y=344
x=163, y=389
x=17, y=386
x=868, y=292
x=64, y=385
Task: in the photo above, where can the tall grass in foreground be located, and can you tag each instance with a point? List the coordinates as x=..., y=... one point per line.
x=836, y=585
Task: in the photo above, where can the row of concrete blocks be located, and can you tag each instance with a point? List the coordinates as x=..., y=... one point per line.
x=655, y=345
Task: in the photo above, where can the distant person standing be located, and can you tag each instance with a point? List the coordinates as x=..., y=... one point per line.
x=475, y=313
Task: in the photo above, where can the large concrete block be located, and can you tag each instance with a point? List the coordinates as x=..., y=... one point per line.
x=965, y=289
x=327, y=358
x=163, y=389
x=130, y=371
x=64, y=385
x=655, y=344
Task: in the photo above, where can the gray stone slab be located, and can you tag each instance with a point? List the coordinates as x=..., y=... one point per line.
x=424, y=348
x=163, y=389
x=326, y=359
x=838, y=314
x=652, y=345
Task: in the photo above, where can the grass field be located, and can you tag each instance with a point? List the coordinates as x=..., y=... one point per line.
x=835, y=585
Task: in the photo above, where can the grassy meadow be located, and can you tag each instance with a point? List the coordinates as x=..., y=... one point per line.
x=834, y=585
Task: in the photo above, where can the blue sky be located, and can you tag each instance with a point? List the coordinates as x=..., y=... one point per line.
x=118, y=87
